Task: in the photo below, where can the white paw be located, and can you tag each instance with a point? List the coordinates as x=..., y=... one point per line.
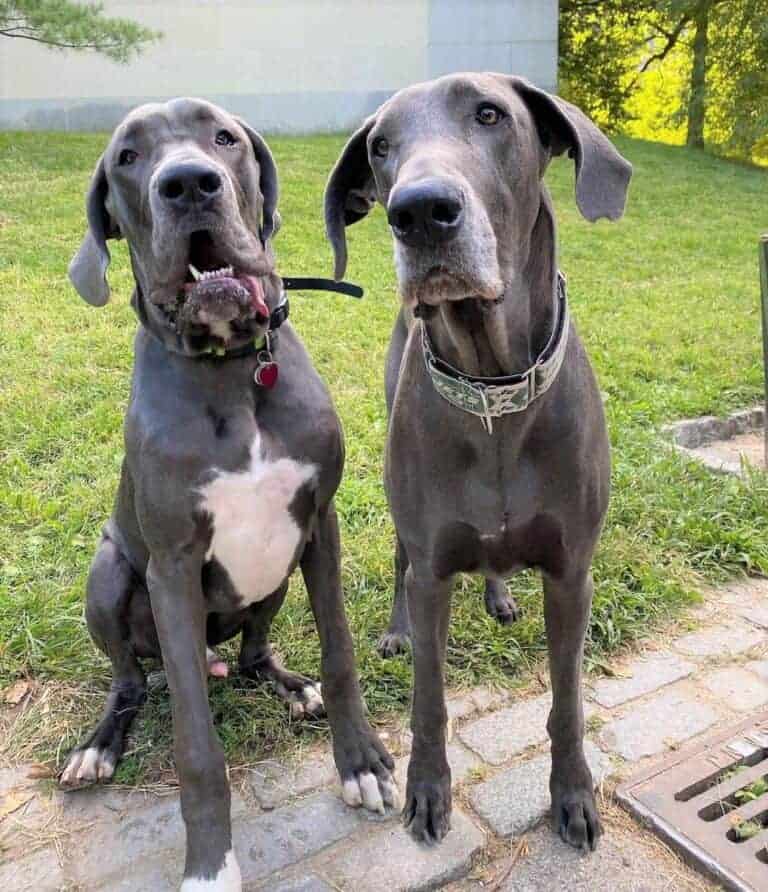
x=308, y=703
x=226, y=880
x=371, y=792
x=87, y=766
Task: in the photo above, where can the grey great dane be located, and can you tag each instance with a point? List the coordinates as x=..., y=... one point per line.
x=229, y=476
x=497, y=456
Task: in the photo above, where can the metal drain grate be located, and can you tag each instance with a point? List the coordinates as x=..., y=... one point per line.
x=711, y=804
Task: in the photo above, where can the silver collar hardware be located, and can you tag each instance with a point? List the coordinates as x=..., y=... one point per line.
x=490, y=398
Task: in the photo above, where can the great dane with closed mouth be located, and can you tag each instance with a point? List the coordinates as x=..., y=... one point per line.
x=229, y=475
x=497, y=456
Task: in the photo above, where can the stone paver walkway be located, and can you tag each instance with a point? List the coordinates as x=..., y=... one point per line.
x=292, y=833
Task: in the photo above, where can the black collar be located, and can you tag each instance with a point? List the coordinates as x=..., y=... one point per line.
x=281, y=311
x=276, y=318
x=268, y=339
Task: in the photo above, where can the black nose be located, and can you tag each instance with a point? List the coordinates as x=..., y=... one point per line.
x=428, y=212
x=189, y=183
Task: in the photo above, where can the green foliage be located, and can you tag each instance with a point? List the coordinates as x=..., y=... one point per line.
x=666, y=301
x=737, y=114
x=629, y=65
x=754, y=791
x=598, y=44
x=63, y=24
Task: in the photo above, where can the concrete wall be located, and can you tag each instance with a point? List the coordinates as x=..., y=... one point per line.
x=285, y=65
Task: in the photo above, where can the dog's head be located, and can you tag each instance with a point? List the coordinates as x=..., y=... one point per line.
x=457, y=163
x=193, y=190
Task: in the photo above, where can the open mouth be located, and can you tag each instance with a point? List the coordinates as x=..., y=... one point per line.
x=216, y=288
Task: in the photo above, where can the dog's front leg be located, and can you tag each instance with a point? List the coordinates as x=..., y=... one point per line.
x=179, y=611
x=363, y=763
x=427, y=809
x=567, y=602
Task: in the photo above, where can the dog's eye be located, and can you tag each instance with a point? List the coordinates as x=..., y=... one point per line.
x=488, y=114
x=225, y=138
x=381, y=147
x=127, y=156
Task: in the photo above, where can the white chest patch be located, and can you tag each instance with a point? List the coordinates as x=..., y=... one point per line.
x=255, y=537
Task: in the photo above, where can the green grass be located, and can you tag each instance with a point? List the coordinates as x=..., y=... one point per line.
x=667, y=301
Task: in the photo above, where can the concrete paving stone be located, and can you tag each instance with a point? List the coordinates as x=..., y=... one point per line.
x=13, y=777
x=756, y=614
x=460, y=707
x=516, y=799
x=720, y=641
x=737, y=688
x=135, y=836
x=273, y=783
x=760, y=667
x=669, y=718
x=461, y=760
x=272, y=841
x=488, y=698
x=749, y=599
x=499, y=736
x=644, y=675
x=311, y=883
x=391, y=859
x=161, y=875
x=619, y=865
x=99, y=803
x=744, y=593
x=40, y=872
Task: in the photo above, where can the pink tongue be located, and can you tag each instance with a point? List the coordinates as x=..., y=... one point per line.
x=256, y=290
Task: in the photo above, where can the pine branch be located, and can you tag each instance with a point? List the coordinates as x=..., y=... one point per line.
x=15, y=32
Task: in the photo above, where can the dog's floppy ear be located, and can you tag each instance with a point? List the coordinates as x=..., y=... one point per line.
x=88, y=268
x=602, y=174
x=350, y=193
x=270, y=218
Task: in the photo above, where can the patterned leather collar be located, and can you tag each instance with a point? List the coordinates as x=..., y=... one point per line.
x=490, y=398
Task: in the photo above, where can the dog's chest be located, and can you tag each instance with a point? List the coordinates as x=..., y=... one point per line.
x=255, y=532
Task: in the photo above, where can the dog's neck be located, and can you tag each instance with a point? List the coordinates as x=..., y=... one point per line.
x=495, y=339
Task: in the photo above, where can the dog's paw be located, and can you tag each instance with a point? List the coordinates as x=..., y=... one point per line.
x=307, y=702
x=392, y=643
x=575, y=818
x=228, y=879
x=365, y=768
x=427, y=812
x=88, y=766
x=501, y=606
x=374, y=792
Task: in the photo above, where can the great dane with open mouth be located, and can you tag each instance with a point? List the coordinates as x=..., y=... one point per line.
x=229, y=473
x=497, y=455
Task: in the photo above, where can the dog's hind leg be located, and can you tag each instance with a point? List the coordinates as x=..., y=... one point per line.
x=111, y=585
x=499, y=604
x=258, y=661
x=398, y=635
x=567, y=602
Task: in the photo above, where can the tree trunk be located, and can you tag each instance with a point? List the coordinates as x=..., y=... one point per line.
x=697, y=102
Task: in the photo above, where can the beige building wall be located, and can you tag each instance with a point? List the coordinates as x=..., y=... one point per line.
x=286, y=65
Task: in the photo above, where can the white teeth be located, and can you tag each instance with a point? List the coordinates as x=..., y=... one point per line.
x=212, y=273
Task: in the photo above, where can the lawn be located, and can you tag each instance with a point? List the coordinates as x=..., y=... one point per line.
x=666, y=300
